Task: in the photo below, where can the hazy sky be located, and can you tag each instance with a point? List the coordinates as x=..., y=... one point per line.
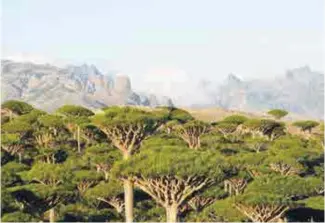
x=157, y=40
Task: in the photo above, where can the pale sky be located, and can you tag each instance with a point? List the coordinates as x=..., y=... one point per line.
x=168, y=39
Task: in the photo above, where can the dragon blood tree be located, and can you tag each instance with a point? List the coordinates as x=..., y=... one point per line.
x=171, y=175
x=75, y=117
x=101, y=158
x=191, y=132
x=306, y=125
x=126, y=128
x=14, y=136
x=110, y=193
x=267, y=199
x=48, y=185
x=52, y=122
x=289, y=156
x=277, y=113
x=201, y=200
x=13, y=108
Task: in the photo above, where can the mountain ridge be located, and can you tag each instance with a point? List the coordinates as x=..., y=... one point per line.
x=49, y=87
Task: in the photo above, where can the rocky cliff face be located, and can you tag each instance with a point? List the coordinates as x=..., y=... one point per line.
x=49, y=87
x=299, y=91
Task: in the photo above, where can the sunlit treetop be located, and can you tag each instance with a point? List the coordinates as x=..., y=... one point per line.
x=285, y=186
x=105, y=190
x=32, y=116
x=9, y=138
x=278, y=113
x=126, y=116
x=16, y=126
x=51, y=121
x=252, y=124
x=74, y=110
x=17, y=107
x=49, y=174
x=235, y=119
x=172, y=160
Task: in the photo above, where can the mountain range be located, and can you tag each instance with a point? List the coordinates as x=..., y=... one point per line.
x=48, y=87
x=299, y=91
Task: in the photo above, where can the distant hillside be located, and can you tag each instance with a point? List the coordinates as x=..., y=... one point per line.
x=49, y=87
x=300, y=91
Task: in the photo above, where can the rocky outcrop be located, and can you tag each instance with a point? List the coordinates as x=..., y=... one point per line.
x=300, y=91
x=49, y=87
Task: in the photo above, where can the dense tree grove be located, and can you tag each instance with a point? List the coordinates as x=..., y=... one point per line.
x=155, y=165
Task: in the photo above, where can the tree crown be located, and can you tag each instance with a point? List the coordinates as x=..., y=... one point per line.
x=235, y=119
x=277, y=113
x=17, y=107
x=74, y=110
x=163, y=161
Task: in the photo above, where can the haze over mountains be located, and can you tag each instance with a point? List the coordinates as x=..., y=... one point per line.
x=48, y=87
x=299, y=90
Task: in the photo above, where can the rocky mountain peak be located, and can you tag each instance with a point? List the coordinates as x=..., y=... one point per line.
x=122, y=84
x=48, y=87
x=233, y=79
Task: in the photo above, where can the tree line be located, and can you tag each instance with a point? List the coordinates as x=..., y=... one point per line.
x=131, y=164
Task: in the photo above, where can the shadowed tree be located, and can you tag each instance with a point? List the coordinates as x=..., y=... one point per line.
x=19, y=127
x=48, y=187
x=18, y=216
x=306, y=125
x=12, y=144
x=287, y=154
x=252, y=126
x=10, y=174
x=127, y=127
x=264, y=128
x=227, y=129
x=236, y=185
x=277, y=113
x=171, y=175
x=110, y=193
x=176, y=114
x=101, y=158
x=31, y=117
x=202, y=199
x=268, y=198
x=14, y=136
x=52, y=122
x=257, y=144
x=75, y=117
x=173, y=117
x=85, y=179
x=191, y=132
x=272, y=129
x=220, y=211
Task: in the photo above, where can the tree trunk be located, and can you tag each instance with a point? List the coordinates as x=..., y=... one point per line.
x=52, y=215
x=128, y=199
x=10, y=115
x=78, y=138
x=19, y=157
x=128, y=194
x=106, y=176
x=171, y=213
